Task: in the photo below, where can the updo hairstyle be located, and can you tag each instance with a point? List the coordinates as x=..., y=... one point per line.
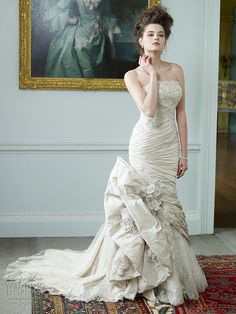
x=156, y=14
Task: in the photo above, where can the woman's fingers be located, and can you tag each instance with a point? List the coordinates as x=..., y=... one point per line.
x=145, y=63
x=182, y=167
x=180, y=173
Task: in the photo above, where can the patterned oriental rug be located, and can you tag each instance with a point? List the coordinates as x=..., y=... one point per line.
x=219, y=298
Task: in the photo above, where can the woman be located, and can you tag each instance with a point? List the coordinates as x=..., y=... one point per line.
x=83, y=43
x=143, y=246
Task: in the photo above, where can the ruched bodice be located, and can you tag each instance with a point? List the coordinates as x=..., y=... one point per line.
x=154, y=144
x=143, y=246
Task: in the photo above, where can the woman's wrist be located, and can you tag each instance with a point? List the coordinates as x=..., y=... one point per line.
x=183, y=157
x=153, y=73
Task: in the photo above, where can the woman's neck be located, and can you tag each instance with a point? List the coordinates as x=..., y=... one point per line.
x=156, y=61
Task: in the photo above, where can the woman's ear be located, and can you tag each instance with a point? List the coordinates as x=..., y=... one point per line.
x=140, y=42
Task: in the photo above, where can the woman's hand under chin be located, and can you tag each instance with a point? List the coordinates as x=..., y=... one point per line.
x=146, y=64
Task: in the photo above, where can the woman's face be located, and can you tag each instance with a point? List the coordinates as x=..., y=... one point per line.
x=153, y=38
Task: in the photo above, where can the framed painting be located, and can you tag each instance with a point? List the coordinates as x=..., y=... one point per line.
x=77, y=44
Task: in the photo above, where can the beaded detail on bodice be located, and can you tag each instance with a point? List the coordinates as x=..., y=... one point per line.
x=169, y=95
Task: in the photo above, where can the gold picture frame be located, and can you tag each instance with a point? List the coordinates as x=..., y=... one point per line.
x=27, y=81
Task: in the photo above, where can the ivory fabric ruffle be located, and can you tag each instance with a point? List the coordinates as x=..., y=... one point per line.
x=136, y=250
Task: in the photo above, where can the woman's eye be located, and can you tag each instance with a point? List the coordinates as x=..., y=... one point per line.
x=158, y=35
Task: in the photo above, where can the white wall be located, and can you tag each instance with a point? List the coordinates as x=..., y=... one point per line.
x=57, y=148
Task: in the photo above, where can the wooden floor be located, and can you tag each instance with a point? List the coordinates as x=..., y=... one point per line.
x=225, y=197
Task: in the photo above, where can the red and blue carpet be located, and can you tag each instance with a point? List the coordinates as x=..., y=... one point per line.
x=219, y=298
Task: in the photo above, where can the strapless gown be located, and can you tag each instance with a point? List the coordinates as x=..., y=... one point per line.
x=143, y=246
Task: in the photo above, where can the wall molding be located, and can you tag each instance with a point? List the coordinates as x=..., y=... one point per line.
x=210, y=65
x=68, y=224
x=50, y=217
x=50, y=224
x=40, y=147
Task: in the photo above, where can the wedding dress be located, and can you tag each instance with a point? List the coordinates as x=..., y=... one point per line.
x=143, y=245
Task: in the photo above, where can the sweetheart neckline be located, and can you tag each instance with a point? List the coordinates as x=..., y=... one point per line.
x=165, y=81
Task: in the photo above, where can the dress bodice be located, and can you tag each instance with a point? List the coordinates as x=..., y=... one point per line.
x=169, y=95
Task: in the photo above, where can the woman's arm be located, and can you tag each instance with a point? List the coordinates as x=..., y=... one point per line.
x=182, y=124
x=146, y=102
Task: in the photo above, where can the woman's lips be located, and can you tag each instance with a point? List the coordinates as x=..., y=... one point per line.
x=156, y=44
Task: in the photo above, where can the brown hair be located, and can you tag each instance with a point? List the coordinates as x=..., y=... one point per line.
x=157, y=14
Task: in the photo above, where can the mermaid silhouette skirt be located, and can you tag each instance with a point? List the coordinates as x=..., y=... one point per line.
x=143, y=245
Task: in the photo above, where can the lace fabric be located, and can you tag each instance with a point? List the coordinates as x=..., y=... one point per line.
x=170, y=93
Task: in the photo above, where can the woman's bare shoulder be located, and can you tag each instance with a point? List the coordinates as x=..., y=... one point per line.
x=130, y=74
x=178, y=72
x=136, y=75
x=172, y=71
x=176, y=67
